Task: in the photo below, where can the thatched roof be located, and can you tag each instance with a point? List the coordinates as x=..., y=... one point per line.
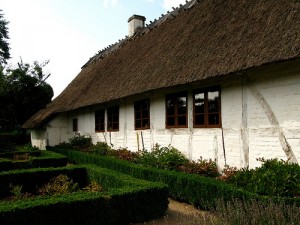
x=201, y=40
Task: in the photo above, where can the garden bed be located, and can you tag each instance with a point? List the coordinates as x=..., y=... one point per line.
x=123, y=199
x=30, y=159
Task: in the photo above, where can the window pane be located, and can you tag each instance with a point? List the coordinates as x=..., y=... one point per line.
x=199, y=102
x=170, y=121
x=181, y=101
x=115, y=126
x=145, y=123
x=213, y=101
x=213, y=119
x=199, y=119
x=171, y=111
x=101, y=127
x=170, y=105
x=182, y=105
x=145, y=114
x=145, y=104
x=113, y=118
x=137, y=115
x=181, y=120
x=142, y=112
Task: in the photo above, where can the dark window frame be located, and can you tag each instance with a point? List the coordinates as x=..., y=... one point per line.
x=142, y=114
x=176, y=114
x=100, y=120
x=113, y=118
x=206, y=112
x=75, y=125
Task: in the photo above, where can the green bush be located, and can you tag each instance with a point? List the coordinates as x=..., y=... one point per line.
x=274, y=178
x=101, y=148
x=202, y=167
x=81, y=142
x=125, y=154
x=168, y=158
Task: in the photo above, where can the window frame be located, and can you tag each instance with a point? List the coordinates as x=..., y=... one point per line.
x=113, y=112
x=138, y=109
x=75, y=124
x=206, y=113
x=176, y=115
x=100, y=120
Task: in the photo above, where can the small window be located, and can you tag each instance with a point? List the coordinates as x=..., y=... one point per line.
x=176, y=110
x=75, y=125
x=99, y=121
x=113, y=118
x=207, y=108
x=142, y=114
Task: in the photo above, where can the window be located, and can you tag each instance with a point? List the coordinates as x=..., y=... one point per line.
x=142, y=114
x=207, y=108
x=75, y=125
x=176, y=110
x=99, y=121
x=113, y=118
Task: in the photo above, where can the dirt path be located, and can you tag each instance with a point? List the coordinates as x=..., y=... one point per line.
x=180, y=214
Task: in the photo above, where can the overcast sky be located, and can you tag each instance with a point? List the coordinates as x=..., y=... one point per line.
x=69, y=32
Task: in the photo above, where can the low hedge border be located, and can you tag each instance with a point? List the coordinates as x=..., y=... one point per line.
x=29, y=179
x=39, y=159
x=125, y=200
x=202, y=192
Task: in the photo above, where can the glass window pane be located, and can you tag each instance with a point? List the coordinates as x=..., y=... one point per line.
x=170, y=111
x=199, y=102
x=137, y=115
x=181, y=120
x=213, y=119
x=199, y=119
x=213, y=101
x=115, y=126
x=145, y=114
x=138, y=124
x=181, y=101
x=145, y=123
x=170, y=121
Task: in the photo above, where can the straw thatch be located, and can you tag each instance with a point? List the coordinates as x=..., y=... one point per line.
x=201, y=40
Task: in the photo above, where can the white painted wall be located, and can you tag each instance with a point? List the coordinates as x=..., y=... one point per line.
x=247, y=132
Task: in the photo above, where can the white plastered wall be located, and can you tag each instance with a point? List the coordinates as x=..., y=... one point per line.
x=250, y=103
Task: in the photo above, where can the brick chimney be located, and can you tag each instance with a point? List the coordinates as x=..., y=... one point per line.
x=135, y=22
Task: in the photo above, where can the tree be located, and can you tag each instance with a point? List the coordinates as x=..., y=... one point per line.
x=4, y=46
x=23, y=92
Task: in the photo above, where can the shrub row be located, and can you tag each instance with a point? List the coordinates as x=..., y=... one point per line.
x=41, y=159
x=202, y=192
x=126, y=200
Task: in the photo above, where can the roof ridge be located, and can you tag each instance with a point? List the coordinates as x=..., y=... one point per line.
x=141, y=31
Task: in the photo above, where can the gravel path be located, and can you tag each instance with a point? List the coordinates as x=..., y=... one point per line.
x=180, y=213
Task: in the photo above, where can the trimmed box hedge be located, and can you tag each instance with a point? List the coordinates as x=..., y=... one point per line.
x=29, y=179
x=202, y=192
x=36, y=159
x=125, y=199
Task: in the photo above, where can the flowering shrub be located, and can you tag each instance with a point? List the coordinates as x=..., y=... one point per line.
x=201, y=167
x=163, y=157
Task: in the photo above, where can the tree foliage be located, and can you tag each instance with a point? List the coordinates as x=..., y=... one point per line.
x=4, y=46
x=23, y=92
